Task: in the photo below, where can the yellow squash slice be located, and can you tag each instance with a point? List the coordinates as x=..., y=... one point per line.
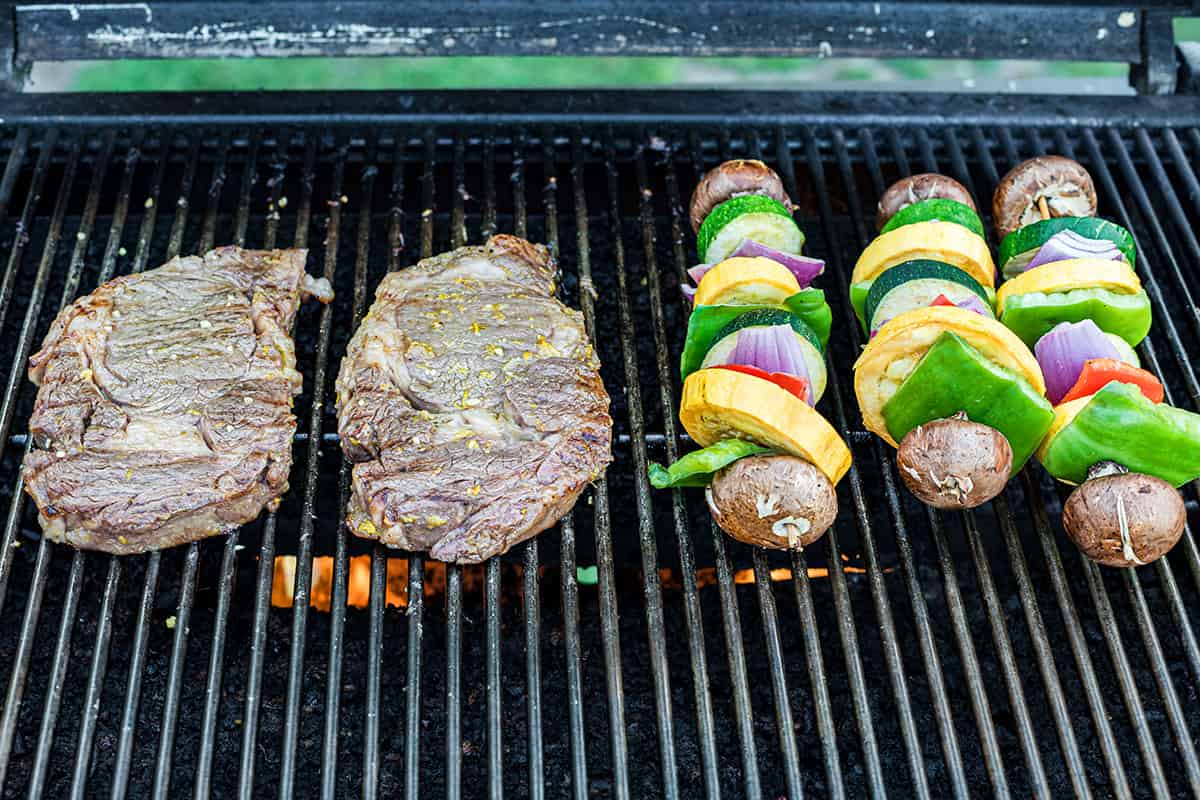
x=900, y=345
x=746, y=281
x=1064, y=414
x=723, y=404
x=1075, y=273
x=940, y=241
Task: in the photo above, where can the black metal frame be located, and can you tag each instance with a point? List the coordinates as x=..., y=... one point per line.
x=825, y=147
x=1138, y=34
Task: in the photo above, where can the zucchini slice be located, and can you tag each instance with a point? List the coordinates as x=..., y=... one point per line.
x=936, y=208
x=810, y=345
x=1020, y=246
x=916, y=284
x=751, y=216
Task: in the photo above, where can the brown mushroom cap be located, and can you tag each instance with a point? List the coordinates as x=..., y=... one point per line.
x=1151, y=509
x=732, y=179
x=773, y=501
x=954, y=463
x=914, y=189
x=1066, y=186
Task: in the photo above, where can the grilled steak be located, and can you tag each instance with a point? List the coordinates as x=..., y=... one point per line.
x=164, y=408
x=471, y=401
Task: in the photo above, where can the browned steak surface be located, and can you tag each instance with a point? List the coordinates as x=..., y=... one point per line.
x=164, y=408
x=471, y=402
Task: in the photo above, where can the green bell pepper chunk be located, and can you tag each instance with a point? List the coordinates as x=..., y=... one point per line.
x=953, y=376
x=698, y=467
x=1119, y=424
x=1031, y=316
x=707, y=321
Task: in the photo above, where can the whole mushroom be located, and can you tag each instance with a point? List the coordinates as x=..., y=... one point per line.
x=1124, y=519
x=776, y=501
x=732, y=179
x=954, y=463
x=915, y=188
x=1063, y=184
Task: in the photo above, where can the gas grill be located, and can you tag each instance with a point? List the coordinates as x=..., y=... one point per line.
x=633, y=650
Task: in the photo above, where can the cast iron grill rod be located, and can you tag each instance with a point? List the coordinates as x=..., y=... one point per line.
x=29, y=622
x=570, y=584
x=266, y=556
x=1037, y=629
x=609, y=629
x=191, y=559
x=491, y=570
x=1159, y=667
x=15, y=257
x=71, y=593
x=951, y=750
x=1182, y=165
x=651, y=585
x=370, y=765
x=379, y=561
x=730, y=616
x=668, y=403
x=769, y=618
x=228, y=574
x=1000, y=637
x=341, y=561
x=416, y=561
x=133, y=682
x=302, y=586
x=847, y=629
x=879, y=593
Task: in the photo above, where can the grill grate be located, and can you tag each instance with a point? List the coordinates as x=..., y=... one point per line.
x=909, y=653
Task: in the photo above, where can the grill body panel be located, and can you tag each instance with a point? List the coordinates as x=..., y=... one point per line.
x=906, y=654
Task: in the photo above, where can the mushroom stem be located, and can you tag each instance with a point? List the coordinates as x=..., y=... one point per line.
x=1043, y=207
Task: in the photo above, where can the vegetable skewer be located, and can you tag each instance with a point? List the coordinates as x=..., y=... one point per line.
x=958, y=395
x=1072, y=290
x=753, y=367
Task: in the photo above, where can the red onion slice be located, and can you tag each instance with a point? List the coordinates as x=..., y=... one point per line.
x=804, y=268
x=1062, y=352
x=698, y=272
x=771, y=349
x=1066, y=245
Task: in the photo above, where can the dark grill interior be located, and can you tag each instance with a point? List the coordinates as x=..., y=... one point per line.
x=907, y=653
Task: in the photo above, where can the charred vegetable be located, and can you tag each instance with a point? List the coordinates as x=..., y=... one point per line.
x=915, y=189
x=1042, y=188
x=734, y=179
x=1120, y=518
x=774, y=501
x=954, y=463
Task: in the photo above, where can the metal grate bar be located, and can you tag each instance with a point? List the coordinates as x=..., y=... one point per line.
x=609, y=629
x=1000, y=637
x=71, y=594
x=929, y=654
x=651, y=586
x=133, y=683
x=303, y=579
x=341, y=559
x=494, y=701
x=266, y=555
x=730, y=616
x=29, y=622
x=228, y=575
x=879, y=592
x=683, y=534
x=191, y=561
x=1182, y=164
x=23, y=230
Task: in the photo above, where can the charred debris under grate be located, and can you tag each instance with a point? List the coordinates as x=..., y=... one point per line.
x=907, y=653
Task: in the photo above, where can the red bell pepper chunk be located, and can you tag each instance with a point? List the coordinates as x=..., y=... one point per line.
x=789, y=383
x=942, y=300
x=1099, y=372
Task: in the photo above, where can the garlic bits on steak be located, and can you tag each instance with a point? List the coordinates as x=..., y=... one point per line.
x=471, y=404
